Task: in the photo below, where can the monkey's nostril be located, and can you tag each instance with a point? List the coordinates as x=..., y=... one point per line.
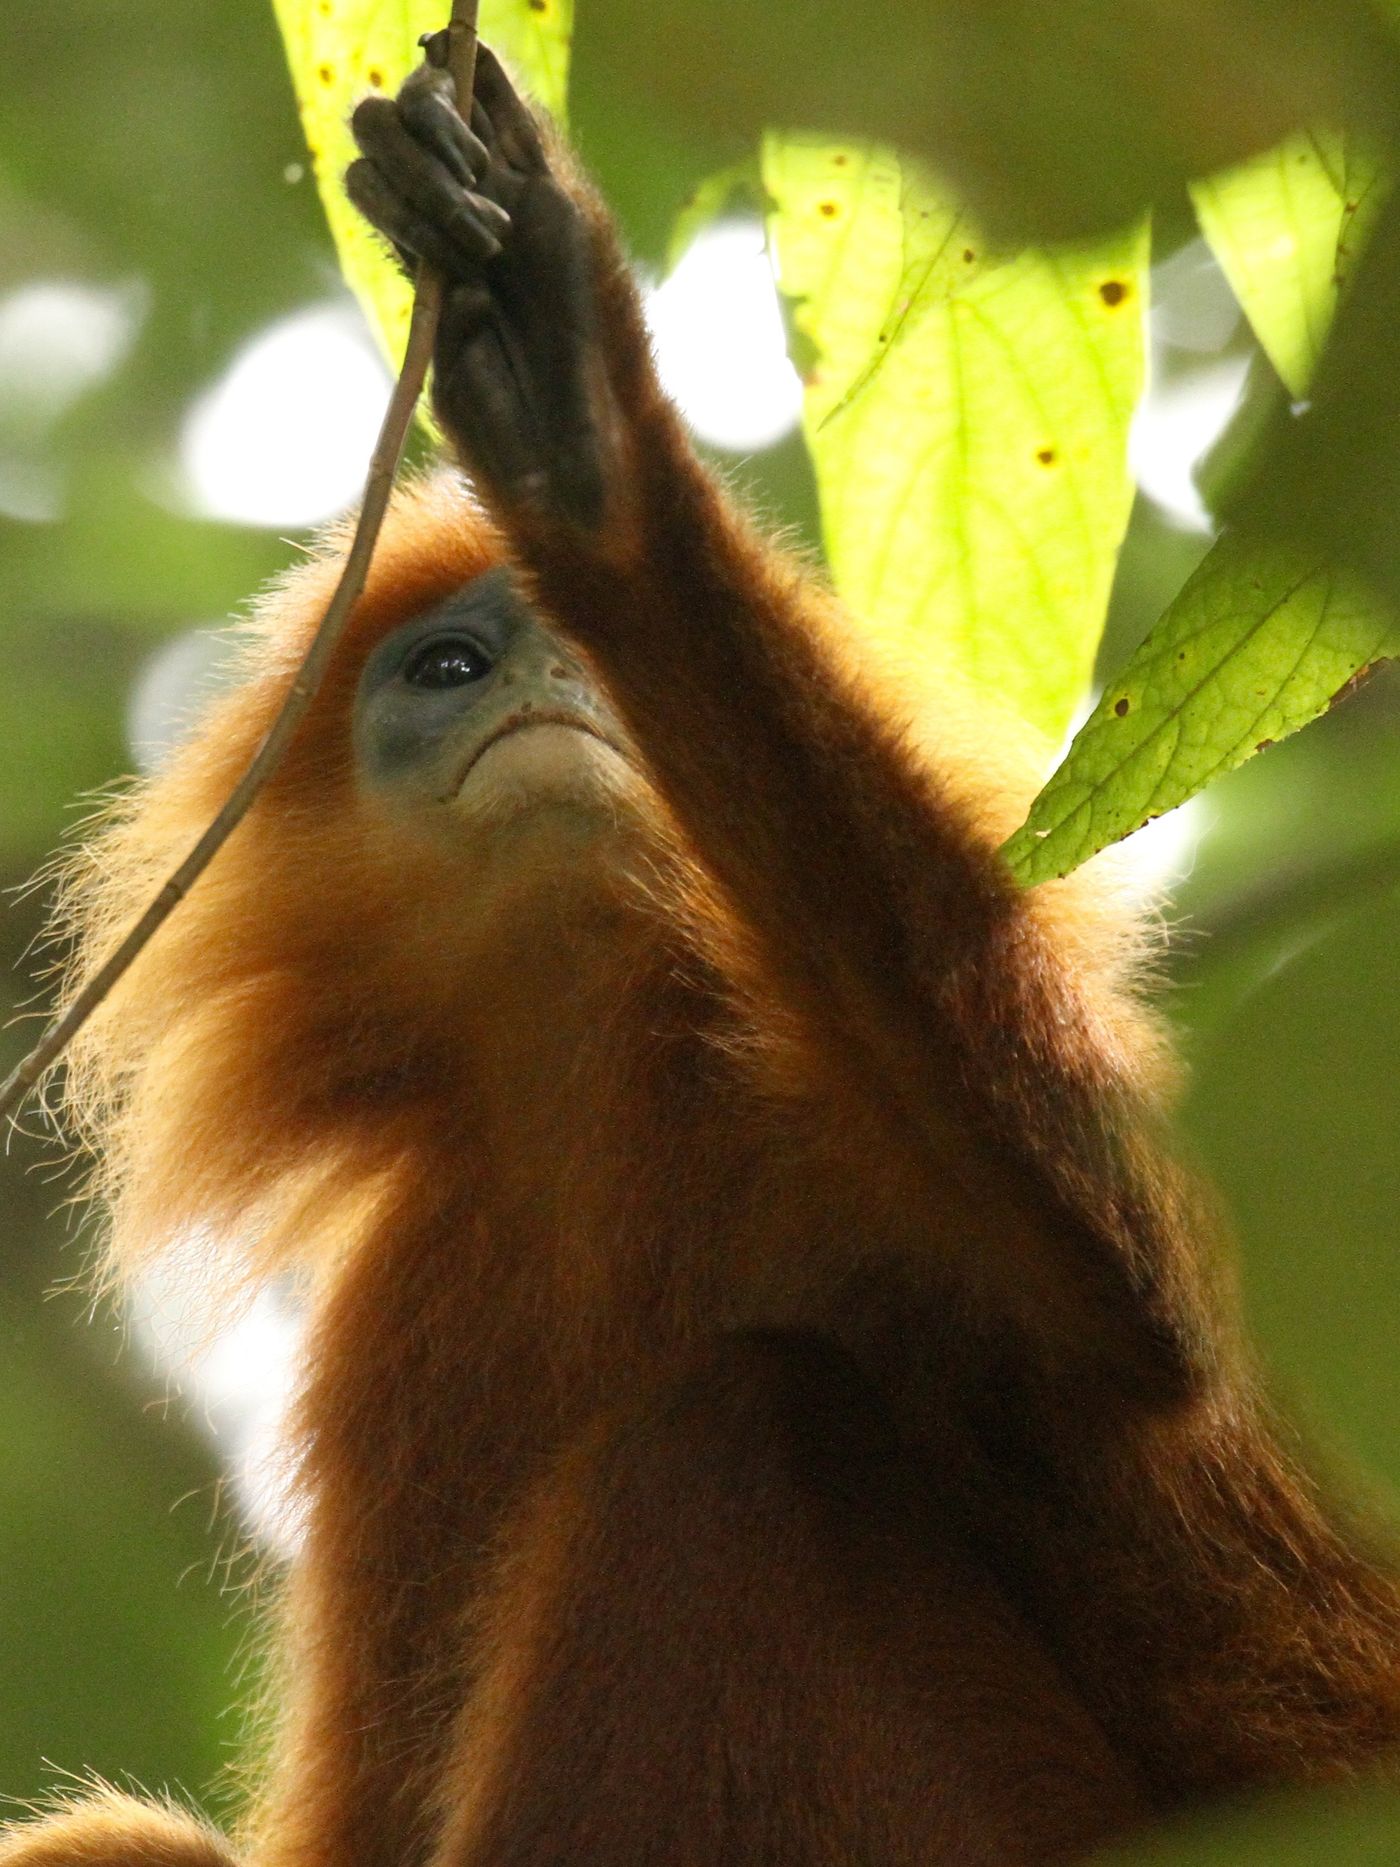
x=558, y=672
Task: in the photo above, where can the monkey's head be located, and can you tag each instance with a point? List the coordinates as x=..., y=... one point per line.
x=299, y=1025
x=473, y=723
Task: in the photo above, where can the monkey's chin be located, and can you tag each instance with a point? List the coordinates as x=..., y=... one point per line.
x=548, y=773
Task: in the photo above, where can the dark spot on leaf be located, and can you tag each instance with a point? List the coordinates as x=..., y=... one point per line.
x=1120, y=707
x=326, y=75
x=376, y=78
x=969, y=255
x=839, y=162
x=1046, y=456
x=1263, y=745
x=1113, y=292
x=539, y=6
x=828, y=210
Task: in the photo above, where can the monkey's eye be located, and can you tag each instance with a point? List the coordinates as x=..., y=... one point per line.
x=446, y=661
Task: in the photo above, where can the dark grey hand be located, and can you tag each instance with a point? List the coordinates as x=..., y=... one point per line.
x=516, y=362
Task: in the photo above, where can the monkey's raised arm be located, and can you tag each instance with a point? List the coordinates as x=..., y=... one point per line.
x=946, y=1027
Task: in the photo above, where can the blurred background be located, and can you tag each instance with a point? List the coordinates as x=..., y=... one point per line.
x=185, y=392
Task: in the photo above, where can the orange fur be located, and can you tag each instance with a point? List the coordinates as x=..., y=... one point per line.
x=768, y=1397
x=83, y=1834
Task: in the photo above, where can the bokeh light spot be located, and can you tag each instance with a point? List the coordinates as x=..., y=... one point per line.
x=58, y=339
x=284, y=437
x=1196, y=379
x=719, y=340
x=1176, y=424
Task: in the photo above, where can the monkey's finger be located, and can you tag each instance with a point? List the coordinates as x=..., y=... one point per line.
x=429, y=113
x=472, y=225
x=411, y=232
x=514, y=131
x=422, y=179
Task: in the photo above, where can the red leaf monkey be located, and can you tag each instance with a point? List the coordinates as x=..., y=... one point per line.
x=765, y=1401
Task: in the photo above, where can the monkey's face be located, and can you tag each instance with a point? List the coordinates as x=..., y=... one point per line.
x=474, y=717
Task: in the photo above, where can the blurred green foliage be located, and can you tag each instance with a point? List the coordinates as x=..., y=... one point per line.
x=159, y=151
x=1052, y=121
x=1336, y=1829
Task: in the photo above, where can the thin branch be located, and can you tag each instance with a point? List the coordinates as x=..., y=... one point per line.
x=379, y=483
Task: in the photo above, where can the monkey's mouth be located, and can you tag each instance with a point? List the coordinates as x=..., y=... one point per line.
x=522, y=722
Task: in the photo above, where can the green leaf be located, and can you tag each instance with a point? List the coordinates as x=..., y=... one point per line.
x=1286, y=228
x=1260, y=641
x=967, y=415
x=534, y=38
x=342, y=50
x=1331, y=473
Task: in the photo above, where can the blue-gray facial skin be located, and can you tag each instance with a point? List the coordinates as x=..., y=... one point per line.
x=474, y=708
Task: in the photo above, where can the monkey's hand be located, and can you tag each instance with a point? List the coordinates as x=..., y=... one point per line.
x=520, y=383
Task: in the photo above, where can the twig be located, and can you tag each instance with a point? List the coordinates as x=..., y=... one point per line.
x=379, y=483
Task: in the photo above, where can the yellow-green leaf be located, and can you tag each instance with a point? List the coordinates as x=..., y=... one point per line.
x=342, y=50
x=1330, y=472
x=1260, y=641
x=967, y=414
x=1286, y=229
